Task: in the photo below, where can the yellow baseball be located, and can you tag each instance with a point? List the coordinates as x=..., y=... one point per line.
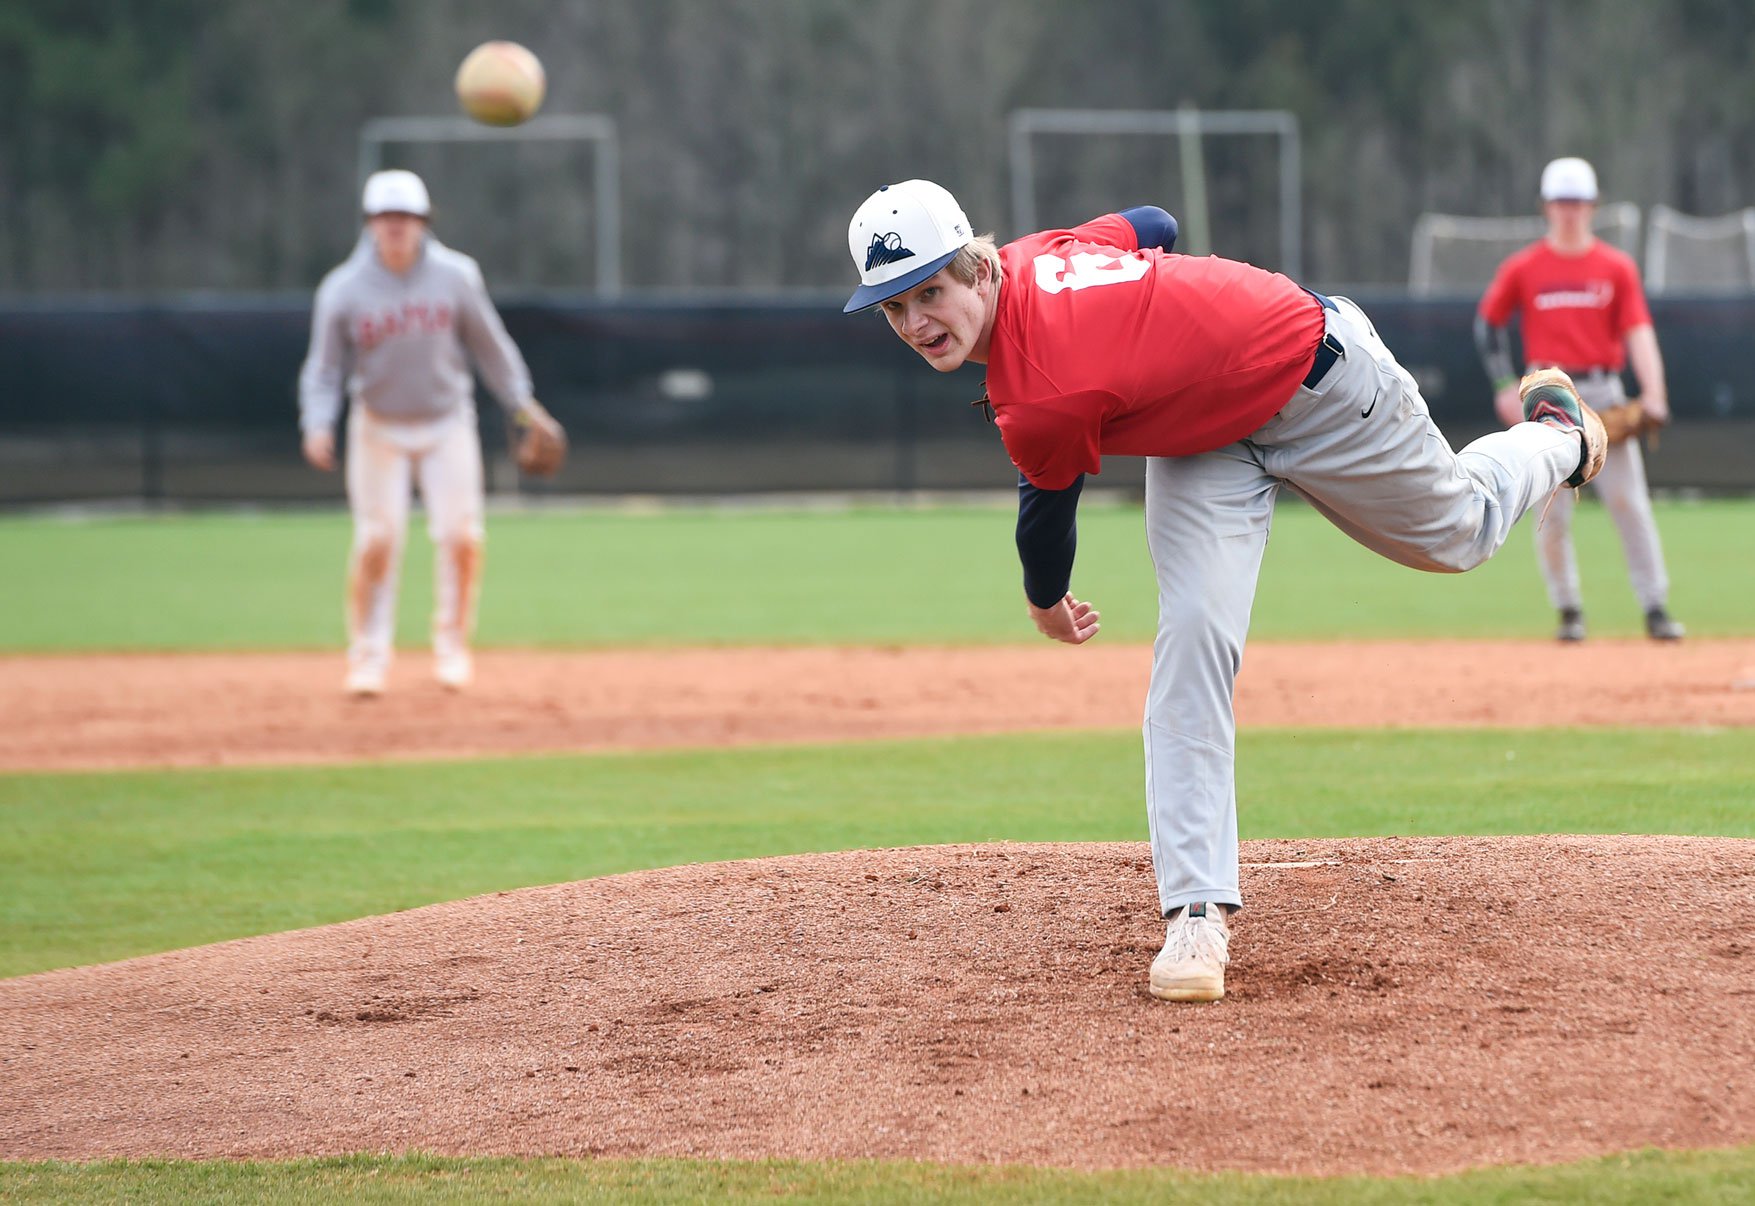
x=501, y=84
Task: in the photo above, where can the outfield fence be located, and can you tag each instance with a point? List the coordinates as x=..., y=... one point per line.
x=192, y=400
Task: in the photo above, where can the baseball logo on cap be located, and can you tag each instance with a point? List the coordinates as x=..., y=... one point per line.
x=885, y=249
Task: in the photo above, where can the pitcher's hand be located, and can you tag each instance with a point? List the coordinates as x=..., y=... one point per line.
x=1068, y=620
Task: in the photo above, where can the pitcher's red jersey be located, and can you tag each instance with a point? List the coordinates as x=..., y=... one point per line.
x=1100, y=347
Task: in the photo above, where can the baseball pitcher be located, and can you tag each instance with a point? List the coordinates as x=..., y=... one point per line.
x=1234, y=382
x=1583, y=310
x=395, y=321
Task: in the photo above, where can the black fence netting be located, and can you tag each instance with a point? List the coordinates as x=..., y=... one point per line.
x=195, y=399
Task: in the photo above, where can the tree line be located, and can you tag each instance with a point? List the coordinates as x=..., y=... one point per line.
x=173, y=145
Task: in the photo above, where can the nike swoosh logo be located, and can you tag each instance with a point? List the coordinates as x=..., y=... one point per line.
x=1366, y=413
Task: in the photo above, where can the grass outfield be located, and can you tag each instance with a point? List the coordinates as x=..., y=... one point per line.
x=95, y=867
x=1632, y=1180
x=717, y=576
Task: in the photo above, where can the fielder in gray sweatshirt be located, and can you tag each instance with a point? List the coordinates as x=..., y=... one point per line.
x=400, y=340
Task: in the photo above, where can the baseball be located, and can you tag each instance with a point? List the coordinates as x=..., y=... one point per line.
x=500, y=84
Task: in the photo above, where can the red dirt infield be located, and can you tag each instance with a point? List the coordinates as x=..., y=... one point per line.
x=1395, y=1005
x=65, y=713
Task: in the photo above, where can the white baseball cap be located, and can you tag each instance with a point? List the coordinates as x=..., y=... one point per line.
x=1569, y=180
x=395, y=192
x=901, y=235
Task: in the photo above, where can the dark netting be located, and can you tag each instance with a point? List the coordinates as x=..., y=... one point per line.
x=194, y=400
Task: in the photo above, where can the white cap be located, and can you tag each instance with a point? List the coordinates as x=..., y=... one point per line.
x=395, y=192
x=1569, y=180
x=901, y=235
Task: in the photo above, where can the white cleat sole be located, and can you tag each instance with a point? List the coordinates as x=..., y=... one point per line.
x=1192, y=988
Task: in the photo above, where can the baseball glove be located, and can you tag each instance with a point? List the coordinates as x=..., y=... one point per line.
x=542, y=442
x=1626, y=422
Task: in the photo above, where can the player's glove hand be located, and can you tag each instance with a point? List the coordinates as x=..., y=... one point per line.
x=1627, y=421
x=542, y=442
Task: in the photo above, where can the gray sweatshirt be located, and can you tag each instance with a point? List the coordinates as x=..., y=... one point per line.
x=400, y=340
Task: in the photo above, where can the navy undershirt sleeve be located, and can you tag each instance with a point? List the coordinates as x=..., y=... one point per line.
x=1153, y=226
x=1048, y=536
x=1494, y=345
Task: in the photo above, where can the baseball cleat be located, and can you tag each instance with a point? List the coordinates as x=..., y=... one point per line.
x=454, y=669
x=1550, y=397
x=1660, y=625
x=365, y=682
x=1571, y=625
x=1191, y=967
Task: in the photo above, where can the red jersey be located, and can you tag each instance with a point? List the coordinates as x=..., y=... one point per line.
x=1577, y=309
x=1100, y=347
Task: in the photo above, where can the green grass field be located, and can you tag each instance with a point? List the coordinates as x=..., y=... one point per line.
x=99, y=866
x=105, y=866
x=729, y=576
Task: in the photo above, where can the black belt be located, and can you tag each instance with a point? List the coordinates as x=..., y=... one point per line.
x=1327, y=352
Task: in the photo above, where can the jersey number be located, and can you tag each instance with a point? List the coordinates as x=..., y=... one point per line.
x=1086, y=269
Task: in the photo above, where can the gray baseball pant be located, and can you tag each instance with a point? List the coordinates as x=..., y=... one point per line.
x=1361, y=447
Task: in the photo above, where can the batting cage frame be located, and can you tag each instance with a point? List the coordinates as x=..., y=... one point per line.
x=1708, y=263
x=1496, y=238
x=1190, y=126
x=594, y=129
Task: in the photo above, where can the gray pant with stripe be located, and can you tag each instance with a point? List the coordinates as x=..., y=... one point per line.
x=1621, y=486
x=1362, y=449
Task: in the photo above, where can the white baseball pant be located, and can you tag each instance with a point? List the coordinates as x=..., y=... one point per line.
x=384, y=459
x=1361, y=447
x=1621, y=486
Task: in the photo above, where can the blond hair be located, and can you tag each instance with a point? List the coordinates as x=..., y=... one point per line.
x=965, y=267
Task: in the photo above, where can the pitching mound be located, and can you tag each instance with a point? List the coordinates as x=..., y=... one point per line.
x=1395, y=1006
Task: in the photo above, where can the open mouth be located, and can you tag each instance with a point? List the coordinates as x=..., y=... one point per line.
x=937, y=344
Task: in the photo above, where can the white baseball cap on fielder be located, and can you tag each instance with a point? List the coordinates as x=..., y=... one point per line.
x=1569, y=180
x=901, y=235
x=395, y=192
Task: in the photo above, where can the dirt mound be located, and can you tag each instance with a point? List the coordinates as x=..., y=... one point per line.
x=1395, y=1006
x=211, y=709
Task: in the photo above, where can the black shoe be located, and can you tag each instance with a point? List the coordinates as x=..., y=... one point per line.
x=1660, y=626
x=1571, y=625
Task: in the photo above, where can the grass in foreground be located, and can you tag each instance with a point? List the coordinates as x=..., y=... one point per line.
x=1635, y=1178
x=95, y=867
x=701, y=576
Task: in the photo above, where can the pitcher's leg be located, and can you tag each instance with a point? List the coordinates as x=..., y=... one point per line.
x=1207, y=521
x=378, y=478
x=451, y=487
x=1363, y=448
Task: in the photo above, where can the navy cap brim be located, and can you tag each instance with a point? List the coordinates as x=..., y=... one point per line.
x=867, y=296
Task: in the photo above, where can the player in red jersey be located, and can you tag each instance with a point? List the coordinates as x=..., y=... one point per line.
x=1583, y=311
x=1233, y=382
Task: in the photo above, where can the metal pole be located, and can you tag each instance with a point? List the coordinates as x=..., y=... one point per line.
x=609, y=214
x=1291, y=199
x=1194, y=181
x=1023, y=178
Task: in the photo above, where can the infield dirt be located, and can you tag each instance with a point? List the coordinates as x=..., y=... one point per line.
x=212, y=709
x=1395, y=1005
